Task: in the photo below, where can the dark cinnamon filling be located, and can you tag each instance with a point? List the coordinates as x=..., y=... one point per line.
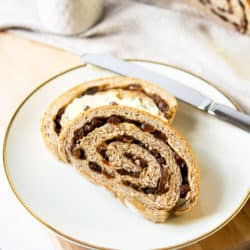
x=161, y=185
x=95, y=167
x=100, y=121
x=57, y=120
x=78, y=152
x=145, y=190
x=90, y=91
x=159, y=102
x=98, y=169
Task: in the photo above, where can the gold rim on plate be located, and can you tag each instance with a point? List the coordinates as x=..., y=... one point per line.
x=82, y=243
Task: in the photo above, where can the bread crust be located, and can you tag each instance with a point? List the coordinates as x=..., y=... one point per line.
x=175, y=140
x=47, y=125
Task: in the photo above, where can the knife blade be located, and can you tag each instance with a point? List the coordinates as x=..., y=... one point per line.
x=182, y=92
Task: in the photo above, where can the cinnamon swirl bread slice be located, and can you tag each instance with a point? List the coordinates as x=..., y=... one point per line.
x=135, y=155
x=116, y=91
x=234, y=13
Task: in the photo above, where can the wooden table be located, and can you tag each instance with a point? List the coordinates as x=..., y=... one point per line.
x=24, y=64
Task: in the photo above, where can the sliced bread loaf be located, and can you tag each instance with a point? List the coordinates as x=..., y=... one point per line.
x=137, y=156
x=115, y=91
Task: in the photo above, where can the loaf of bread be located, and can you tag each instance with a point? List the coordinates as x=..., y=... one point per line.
x=136, y=155
x=234, y=13
x=115, y=91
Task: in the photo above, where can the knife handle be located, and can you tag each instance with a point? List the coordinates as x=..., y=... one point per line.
x=231, y=115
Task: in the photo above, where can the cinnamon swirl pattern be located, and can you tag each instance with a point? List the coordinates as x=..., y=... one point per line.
x=135, y=155
x=235, y=13
x=115, y=91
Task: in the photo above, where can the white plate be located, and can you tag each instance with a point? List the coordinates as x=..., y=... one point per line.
x=65, y=202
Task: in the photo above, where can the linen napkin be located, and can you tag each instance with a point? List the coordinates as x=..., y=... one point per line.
x=169, y=31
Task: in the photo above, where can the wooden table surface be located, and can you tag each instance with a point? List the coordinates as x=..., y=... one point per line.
x=24, y=64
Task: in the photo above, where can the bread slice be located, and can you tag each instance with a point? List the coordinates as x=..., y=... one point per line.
x=114, y=90
x=233, y=13
x=137, y=156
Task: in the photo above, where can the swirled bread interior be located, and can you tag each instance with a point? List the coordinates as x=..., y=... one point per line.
x=135, y=155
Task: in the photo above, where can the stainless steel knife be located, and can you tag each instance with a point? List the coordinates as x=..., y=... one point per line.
x=182, y=92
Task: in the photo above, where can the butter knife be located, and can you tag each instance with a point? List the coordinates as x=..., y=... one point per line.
x=182, y=92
